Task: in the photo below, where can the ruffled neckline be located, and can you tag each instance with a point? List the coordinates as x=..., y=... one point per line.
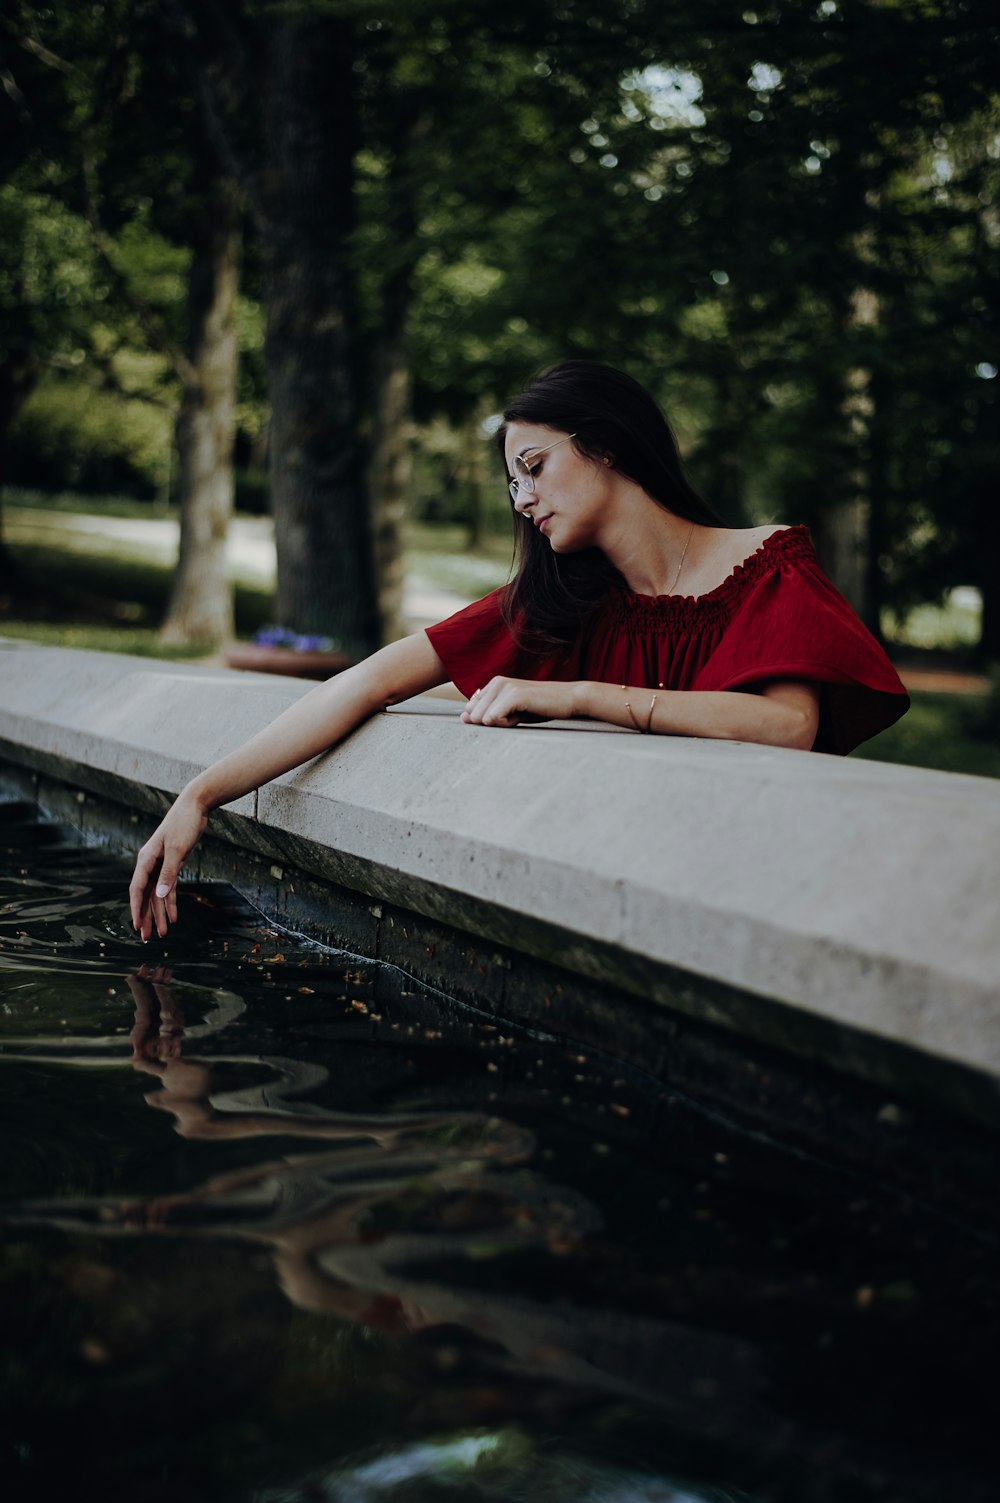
x=791, y=542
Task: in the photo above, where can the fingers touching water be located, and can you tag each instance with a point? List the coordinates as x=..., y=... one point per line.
x=153, y=889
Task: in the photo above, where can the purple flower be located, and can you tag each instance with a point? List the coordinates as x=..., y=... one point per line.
x=281, y=636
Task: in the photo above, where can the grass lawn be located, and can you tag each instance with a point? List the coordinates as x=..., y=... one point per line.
x=110, y=594
x=935, y=733
x=110, y=601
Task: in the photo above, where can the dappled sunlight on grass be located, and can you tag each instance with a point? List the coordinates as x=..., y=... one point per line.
x=17, y=497
x=138, y=641
x=98, y=585
x=935, y=734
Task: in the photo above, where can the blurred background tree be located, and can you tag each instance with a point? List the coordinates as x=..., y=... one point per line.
x=783, y=219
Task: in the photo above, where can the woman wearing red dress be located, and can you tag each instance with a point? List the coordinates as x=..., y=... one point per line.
x=632, y=604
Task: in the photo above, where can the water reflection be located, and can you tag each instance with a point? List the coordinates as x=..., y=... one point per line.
x=331, y=1217
x=364, y=1230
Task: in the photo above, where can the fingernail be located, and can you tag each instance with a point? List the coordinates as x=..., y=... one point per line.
x=162, y=889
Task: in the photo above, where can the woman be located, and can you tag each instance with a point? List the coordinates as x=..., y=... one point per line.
x=631, y=604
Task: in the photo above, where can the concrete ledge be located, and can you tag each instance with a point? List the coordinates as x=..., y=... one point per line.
x=858, y=894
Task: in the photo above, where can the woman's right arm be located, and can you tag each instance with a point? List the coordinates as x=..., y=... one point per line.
x=314, y=723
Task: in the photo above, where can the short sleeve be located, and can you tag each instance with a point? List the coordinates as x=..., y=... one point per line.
x=794, y=624
x=476, y=644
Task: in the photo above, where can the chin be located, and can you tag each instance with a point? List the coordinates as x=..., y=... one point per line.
x=561, y=545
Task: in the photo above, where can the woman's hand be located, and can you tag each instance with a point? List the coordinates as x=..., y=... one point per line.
x=783, y=713
x=508, y=701
x=311, y=725
x=152, y=892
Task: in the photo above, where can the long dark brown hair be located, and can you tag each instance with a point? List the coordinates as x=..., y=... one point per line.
x=611, y=416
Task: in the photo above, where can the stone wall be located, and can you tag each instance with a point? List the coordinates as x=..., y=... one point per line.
x=814, y=896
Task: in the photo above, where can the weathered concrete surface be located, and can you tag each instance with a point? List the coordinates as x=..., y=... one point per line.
x=857, y=893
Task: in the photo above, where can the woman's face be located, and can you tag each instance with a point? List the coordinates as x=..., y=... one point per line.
x=569, y=504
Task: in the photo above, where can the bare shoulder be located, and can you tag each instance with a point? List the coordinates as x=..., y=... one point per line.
x=721, y=552
x=753, y=537
x=740, y=543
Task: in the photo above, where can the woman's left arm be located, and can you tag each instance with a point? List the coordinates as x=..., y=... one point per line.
x=783, y=713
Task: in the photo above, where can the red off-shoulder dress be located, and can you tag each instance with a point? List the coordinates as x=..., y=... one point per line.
x=777, y=616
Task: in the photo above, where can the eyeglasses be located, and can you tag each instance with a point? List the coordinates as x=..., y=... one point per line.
x=523, y=477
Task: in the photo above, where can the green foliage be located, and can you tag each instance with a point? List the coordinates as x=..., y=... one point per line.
x=935, y=732
x=699, y=198
x=154, y=267
x=982, y=718
x=72, y=433
x=102, y=181
x=50, y=285
x=701, y=194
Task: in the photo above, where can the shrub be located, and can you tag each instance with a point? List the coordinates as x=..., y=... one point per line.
x=72, y=435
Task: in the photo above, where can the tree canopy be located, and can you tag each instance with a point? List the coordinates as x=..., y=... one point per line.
x=783, y=218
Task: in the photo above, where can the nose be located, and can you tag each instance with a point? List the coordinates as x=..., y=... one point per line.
x=524, y=498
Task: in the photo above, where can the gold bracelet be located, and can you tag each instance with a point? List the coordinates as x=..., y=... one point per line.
x=631, y=713
x=649, y=717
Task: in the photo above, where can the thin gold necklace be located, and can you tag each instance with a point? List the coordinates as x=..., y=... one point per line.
x=683, y=557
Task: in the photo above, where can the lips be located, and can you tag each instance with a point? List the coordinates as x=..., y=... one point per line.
x=541, y=521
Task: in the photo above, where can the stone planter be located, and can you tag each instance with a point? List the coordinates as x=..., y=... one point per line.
x=255, y=657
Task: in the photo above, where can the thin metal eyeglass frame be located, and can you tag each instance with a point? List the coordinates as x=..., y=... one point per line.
x=524, y=477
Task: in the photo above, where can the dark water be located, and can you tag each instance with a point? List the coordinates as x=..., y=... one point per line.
x=282, y=1224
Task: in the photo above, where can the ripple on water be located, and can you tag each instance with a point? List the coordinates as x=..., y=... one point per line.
x=360, y=1241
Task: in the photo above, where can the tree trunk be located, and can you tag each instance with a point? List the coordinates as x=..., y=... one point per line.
x=18, y=376
x=988, y=648
x=481, y=474
x=845, y=543
x=878, y=539
x=201, y=597
x=326, y=580
x=719, y=458
x=840, y=536
x=391, y=473
x=986, y=530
